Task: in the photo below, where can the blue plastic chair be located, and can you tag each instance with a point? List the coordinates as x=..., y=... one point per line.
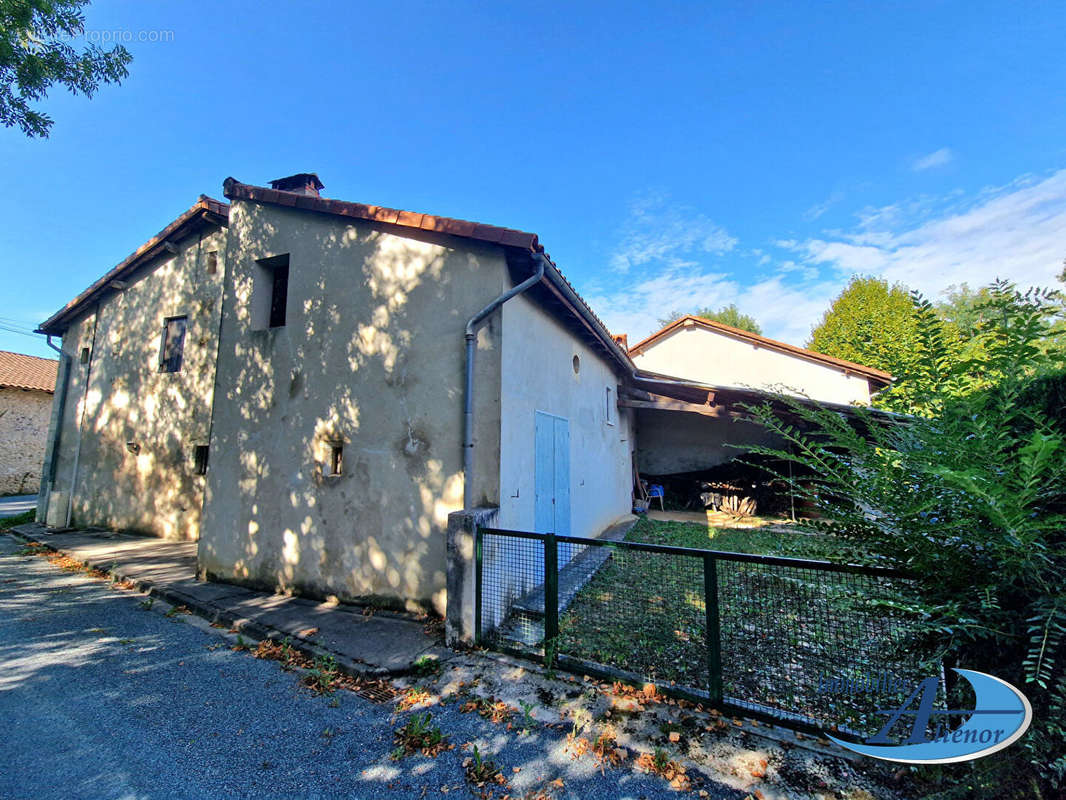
x=655, y=490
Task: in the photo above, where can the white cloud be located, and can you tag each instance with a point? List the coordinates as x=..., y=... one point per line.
x=783, y=307
x=659, y=231
x=815, y=211
x=938, y=158
x=1017, y=232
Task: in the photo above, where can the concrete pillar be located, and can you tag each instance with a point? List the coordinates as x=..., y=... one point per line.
x=459, y=617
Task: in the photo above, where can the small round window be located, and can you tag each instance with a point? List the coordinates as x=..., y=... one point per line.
x=577, y=365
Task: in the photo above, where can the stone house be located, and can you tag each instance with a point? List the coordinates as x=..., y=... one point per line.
x=27, y=384
x=309, y=387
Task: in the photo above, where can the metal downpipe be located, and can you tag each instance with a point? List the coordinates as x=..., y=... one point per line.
x=470, y=337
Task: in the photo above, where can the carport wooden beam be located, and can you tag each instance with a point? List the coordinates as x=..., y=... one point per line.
x=660, y=402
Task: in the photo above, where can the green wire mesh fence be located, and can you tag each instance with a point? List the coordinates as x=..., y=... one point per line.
x=809, y=644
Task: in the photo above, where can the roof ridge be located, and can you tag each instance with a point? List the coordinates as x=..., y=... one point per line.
x=234, y=189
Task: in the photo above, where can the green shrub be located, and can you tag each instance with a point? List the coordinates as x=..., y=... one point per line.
x=968, y=497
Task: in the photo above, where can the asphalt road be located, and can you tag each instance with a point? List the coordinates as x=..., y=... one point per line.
x=102, y=698
x=17, y=504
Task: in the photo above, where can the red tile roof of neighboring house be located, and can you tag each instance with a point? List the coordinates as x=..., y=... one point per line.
x=871, y=374
x=206, y=209
x=28, y=372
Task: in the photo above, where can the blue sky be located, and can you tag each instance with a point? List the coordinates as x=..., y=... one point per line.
x=670, y=155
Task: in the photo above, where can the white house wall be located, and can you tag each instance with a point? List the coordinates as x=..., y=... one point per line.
x=706, y=356
x=537, y=374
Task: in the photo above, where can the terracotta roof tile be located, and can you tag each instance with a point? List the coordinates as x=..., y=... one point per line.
x=235, y=190
x=28, y=372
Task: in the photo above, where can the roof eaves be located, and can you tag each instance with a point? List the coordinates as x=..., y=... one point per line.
x=206, y=208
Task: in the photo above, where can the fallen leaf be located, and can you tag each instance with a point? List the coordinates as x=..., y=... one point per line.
x=675, y=736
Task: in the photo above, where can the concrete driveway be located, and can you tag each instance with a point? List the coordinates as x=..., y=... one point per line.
x=104, y=698
x=17, y=504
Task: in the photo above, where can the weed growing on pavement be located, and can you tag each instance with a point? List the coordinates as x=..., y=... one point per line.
x=322, y=674
x=147, y=603
x=426, y=666
x=480, y=771
x=528, y=723
x=419, y=734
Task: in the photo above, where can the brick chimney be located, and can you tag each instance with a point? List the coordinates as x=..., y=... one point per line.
x=301, y=183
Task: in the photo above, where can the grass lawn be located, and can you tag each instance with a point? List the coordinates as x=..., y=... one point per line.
x=782, y=628
x=779, y=540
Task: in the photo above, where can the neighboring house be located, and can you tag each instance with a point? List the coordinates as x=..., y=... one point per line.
x=309, y=356
x=709, y=352
x=26, y=387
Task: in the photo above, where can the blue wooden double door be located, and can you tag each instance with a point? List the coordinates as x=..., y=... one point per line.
x=552, y=479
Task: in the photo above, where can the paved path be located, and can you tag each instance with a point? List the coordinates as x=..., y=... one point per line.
x=17, y=504
x=103, y=698
x=380, y=644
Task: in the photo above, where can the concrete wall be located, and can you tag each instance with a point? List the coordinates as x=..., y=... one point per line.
x=538, y=375
x=137, y=426
x=24, y=416
x=715, y=358
x=672, y=442
x=371, y=357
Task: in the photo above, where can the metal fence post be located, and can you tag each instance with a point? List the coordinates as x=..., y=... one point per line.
x=477, y=584
x=551, y=599
x=714, y=633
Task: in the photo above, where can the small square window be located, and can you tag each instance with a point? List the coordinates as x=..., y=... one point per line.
x=85, y=355
x=212, y=262
x=172, y=344
x=200, y=454
x=270, y=292
x=336, y=459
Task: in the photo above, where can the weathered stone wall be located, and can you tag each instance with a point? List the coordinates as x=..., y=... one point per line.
x=24, y=415
x=128, y=431
x=371, y=359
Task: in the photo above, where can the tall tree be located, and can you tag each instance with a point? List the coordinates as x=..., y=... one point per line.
x=878, y=325
x=35, y=54
x=961, y=309
x=727, y=315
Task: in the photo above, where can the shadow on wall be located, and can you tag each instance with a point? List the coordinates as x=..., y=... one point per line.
x=336, y=453
x=141, y=425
